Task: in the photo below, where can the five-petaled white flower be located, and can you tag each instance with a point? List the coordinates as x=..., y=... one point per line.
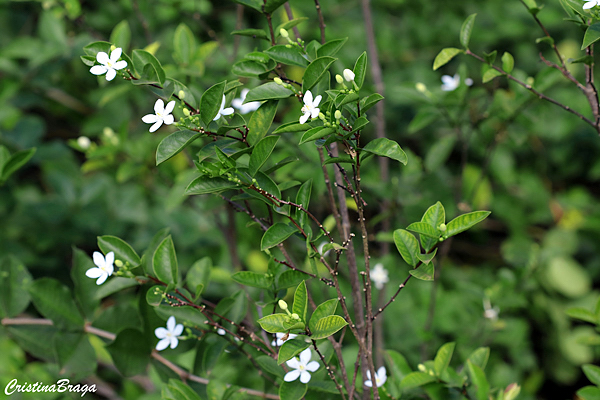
x=310, y=107
x=450, y=83
x=348, y=75
x=110, y=65
x=245, y=108
x=168, y=336
x=591, y=3
x=379, y=276
x=223, y=110
x=104, y=267
x=279, y=338
x=301, y=367
x=380, y=378
x=163, y=115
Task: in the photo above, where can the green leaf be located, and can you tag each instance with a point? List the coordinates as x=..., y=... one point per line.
x=324, y=309
x=342, y=99
x=253, y=33
x=130, y=352
x=360, y=123
x=464, y=222
x=268, y=91
x=164, y=261
x=300, y=301
x=386, y=148
x=370, y=101
x=261, y=152
x=121, y=35
x=287, y=55
x=54, y=301
x=94, y=48
x=249, y=68
x=256, y=4
x=294, y=390
x=399, y=367
x=315, y=133
x=331, y=48
x=173, y=144
x=260, y=122
x=303, y=199
x=480, y=357
x=14, y=297
x=582, y=314
x=424, y=228
x=276, y=234
x=442, y=358
x=289, y=278
x=445, y=56
x=210, y=102
x=466, y=29
x=315, y=71
x=277, y=165
x=272, y=5
x=75, y=355
x=177, y=390
x=407, y=246
x=114, y=285
x=426, y=258
x=142, y=58
x=274, y=323
x=593, y=373
x=289, y=24
x=416, y=379
x=425, y=272
x=85, y=288
x=592, y=35
x=490, y=74
x=327, y=326
x=269, y=365
x=16, y=161
x=205, y=185
x=435, y=215
x=184, y=44
x=479, y=380
x=291, y=127
x=589, y=393
x=123, y=251
x=490, y=57
x=253, y=279
x=291, y=348
x=360, y=71
x=508, y=62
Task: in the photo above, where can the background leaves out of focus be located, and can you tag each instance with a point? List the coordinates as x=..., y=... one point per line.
x=488, y=146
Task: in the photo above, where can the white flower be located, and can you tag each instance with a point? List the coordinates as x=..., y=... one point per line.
x=489, y=312
x=591, y=3
x=110, y=65
x=223, y=110
x=168, y=336
x=245, y=108
x=301, y=367
x=163, y=115
x=279, y=339
x=450, y=83
x=380, y=378
x=310, y=107
x=104, y=267
x=84, y=142
x=221, y=332
x=348, y=75
x=379, y=275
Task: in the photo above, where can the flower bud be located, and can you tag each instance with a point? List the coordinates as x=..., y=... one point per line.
x=421, y=87
x=348, y=75
x=108, y=132
x=113, y=47
x=119, y=263
x=338, y=114
x=322, y=116
x=339, y=78
x=442, y=227
x=284, y=33
x=278, y=80
x=181, y=95
x=512, y=391
x=186, y=112
x=84, y=142
x=296, y=316
x=421, y=367
x=283, y=305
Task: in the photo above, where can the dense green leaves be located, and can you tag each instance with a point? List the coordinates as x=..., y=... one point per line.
x=386, y=148
x=276, y=234
x=407, y=245
x=445, y=56
x=164, y=261
x=315, y=71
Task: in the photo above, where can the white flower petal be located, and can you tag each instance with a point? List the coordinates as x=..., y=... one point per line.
x=169, y=107
x=308, y=97
x=163, y=344
x=312, y=366
x=305, y=356
x=381, y=373
x=314, y=113
x=237, y=103
x=168, y=119
x=102, y=58
x=149, y=118
x=98, y=70
x=120, y=64
x=368, y=375
x=317, y=101
x=291, y=376
x=160, y=332
x=304, y=118
x=98, y=259
x=102, y=278
x=115, y=55
x=178, y=330
x=110, y=74
x=293, y=363
x=227, y=111
x=159, y=107
x=589, y=5
x=174, y=342
x=304, y=376
x=368, y=383
x=217, y=117
x=93, y=273
x=171, y=323
x=157, y=125
x=110, y=258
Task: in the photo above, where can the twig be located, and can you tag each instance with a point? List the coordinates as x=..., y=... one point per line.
x=321, y=21
x=329, y=371
x=290, y=15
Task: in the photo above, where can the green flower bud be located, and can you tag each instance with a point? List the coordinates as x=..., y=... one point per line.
x=284, y=33
x=119, y=263
x=283, y=305
x=181, y=95
x=186, y=112
x=421, y=87
x=278, y=80
x=338, y=114
x=339, y=78
x=442, y=227
x=296, y=316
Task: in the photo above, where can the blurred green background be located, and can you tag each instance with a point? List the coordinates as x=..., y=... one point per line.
x=488, y=146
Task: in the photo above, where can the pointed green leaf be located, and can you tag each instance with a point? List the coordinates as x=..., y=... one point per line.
x=177, y=390
x=289, y=24
x=210, y=102
x=407, y=246
x=289, y=278
x=426, y=258
x=315, y=133
x=331, y=47
x=303, y=199
x=360, y=71
x=253, y=33
x=370, y=101
x=466, y=29
x=327, y=326
x=480, y=357
x=287, y=55
x=291, y=127
x=583, y=315
x=300, y=301
x=261, y=121
x=14, y=296
x=294, y=390
x=54, y=301
x=445, y=56
x=274, y=323
x=588, y=393
x=130, y=352
x=253, y=279
x=204, y=185
x=424, y=228
x=425, y=272
x=508, y=62
x=268, y=91
x=291, y=348
x=479, y=380
x=442, y=358
x=592, y=35
x=256, y=4
x=173, y=144
x=142, y=58
x=16, y=161
x=276, y=234
x=386, y=148
x=272, y=5
x=164, y=261
x=261, y=152
x=85, y=288
x=184, y=44
x=435, y=215
x=121, y=35
x=324, y=309
x=416, y=379
x=269, y=365
x=123, y=251
x=399, y=367
x=315, y=71
x=464, y=222
x=490, y=74
x=249, y=68
x=593, y=373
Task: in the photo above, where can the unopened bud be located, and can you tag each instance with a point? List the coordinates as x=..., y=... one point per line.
x=322, y=116
x=186, y=112
x=295, y=316
x=421, y=367
x=339, y=78
x=283, y=305
x=348, y=75
x=113, y=47
x=278, y=80
x=84, y=142
x=284, y=33
x=442, y=227
x=108, y=132
x=421, y=87
x=181, y=95
x=512, y=391
x=338, y=114
x=119, y=263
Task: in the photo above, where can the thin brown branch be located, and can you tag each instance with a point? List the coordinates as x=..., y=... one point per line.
x=321, y=20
